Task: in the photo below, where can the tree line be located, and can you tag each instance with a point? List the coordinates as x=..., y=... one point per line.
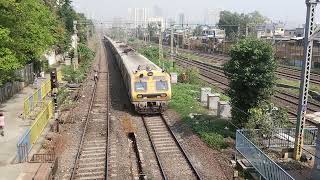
x=29, y=28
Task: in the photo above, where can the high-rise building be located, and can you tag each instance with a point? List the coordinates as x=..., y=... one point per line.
x=212, y=16
x=138, y=16
x=181, y=19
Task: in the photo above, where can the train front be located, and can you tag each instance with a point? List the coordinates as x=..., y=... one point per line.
x=151, y=91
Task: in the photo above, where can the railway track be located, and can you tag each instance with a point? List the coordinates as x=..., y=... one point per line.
x=91, y=159
x=172, y=160
x=215, y=75
x=282, y=71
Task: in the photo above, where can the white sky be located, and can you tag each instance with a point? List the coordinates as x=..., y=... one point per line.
x=292, y=12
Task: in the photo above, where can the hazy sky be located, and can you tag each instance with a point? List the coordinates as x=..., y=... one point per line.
x=292, y=12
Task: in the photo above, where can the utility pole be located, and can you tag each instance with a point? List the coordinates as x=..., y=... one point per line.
x=160, y=43
x=310, y=33
x=177, y=43
x=75, y=60
x=171, y=38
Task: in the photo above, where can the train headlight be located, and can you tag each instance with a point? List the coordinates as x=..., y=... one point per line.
x=150, y=74
x=139, y=96
x=163, y=95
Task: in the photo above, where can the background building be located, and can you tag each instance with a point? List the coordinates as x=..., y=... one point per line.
x=138, y=17
x=181, y=19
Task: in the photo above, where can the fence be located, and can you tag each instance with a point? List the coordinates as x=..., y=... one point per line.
x=11, y=88
x=267, y=168
x=32, y=134
x=277, y=138
x=38, y=96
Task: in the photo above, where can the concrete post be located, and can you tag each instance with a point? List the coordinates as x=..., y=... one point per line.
x=67, y=61
x=213, y=100
x=204, y=95
x=224, y=109
x=174, y=78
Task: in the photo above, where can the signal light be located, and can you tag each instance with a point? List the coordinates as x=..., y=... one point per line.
x=139, y=96
x=53, y=79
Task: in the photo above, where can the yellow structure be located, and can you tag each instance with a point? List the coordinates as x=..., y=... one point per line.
x=41, y=122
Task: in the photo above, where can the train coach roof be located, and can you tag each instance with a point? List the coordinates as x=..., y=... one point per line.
x=134, y=61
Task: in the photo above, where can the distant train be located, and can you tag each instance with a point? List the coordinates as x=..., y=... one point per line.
x=148, y=86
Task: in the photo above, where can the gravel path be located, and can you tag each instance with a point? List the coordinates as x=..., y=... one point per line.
x=71, y=133
x=211, y=163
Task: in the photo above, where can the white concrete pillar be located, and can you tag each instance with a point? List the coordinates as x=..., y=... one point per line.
x=174, y=78
x=204, y=95
x=213, y=100
x=67, y=61
x=224, y=109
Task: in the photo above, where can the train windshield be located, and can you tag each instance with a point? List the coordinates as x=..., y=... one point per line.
x=162, y=85
x=141, y=86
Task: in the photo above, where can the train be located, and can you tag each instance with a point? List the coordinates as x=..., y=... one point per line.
x=148, y=86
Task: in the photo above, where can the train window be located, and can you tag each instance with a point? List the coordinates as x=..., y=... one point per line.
x=162, y=85
x=141, y=86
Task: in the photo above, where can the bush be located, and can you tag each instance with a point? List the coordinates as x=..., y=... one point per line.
x=189, y=75
x=251, y=72
x=78, y=75
x=214, y=140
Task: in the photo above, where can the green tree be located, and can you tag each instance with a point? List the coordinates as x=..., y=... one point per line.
x=236, y=24
x=251, y=72
x=267, y=117
x=197, y=31
x=32, y=26
x=152, y=29
x=8, y=61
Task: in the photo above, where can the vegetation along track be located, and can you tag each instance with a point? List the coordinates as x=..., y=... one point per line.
x=172, y=160
x=215, y=75
x=91, y=157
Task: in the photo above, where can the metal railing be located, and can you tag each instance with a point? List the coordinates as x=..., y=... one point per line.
x=32, y=134
x=31, y=102
x=277, y=138
x=266, y=167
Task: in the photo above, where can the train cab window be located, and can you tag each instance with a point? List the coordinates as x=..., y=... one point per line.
x=162, y=85
x=141, y=86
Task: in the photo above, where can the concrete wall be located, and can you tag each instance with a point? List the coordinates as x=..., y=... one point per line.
x=11, y=88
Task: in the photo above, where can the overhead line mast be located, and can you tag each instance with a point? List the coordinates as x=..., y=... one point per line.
x=310, y=33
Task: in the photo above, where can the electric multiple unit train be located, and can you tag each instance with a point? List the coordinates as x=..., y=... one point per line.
x=148, y=86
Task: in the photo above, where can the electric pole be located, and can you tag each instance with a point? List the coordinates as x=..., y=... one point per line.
x=310, y=33
x=171, y=38
x=160, y=43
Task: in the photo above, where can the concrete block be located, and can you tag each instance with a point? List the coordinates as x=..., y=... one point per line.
x=213, y=100
x=68, y=61
x=224, y=109
x=174, y=78
x=204, y=95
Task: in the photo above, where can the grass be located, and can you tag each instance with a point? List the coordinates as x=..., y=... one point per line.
x=185, y=99
x=212, y=130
